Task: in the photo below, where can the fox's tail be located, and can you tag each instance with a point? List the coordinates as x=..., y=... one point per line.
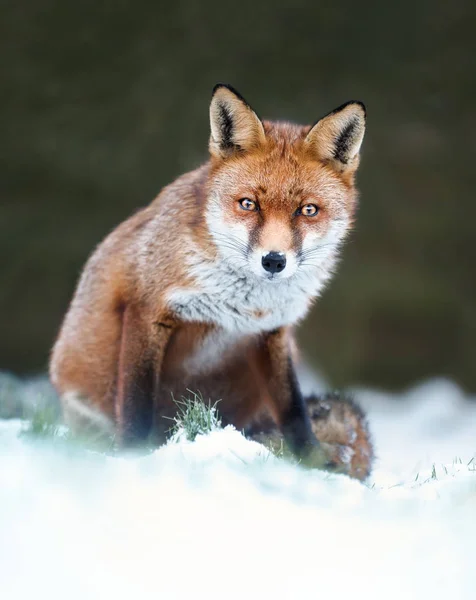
x=340, y=426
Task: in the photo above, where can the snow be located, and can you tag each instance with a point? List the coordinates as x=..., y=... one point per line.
x=222, y=518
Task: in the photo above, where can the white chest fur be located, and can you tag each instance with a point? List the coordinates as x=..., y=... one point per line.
x=240, y=302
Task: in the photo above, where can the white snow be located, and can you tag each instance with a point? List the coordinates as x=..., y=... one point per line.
x=222, y=518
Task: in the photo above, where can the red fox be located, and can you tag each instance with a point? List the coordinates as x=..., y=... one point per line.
x=200, y=290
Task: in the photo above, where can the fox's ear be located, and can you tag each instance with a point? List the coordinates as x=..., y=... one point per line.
x=235, y=127
x=337, y=137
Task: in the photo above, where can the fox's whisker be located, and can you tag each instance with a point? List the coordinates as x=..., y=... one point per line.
x=319, y=248
x=232, y=240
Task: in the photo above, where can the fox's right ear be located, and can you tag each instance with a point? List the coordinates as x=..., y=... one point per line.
x=235, y=127
x=337, y=137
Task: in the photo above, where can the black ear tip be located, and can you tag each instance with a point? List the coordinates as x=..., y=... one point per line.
x=231, y=89
x=227, y=86
x=359, y=103
x=349, y=103
x=220, y=85
x=362, y=106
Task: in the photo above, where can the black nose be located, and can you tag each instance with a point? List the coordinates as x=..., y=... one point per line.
x=274, y=262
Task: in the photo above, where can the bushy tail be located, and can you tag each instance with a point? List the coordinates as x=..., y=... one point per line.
x=340, y=426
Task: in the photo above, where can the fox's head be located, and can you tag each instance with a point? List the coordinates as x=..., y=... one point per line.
x=281, y=196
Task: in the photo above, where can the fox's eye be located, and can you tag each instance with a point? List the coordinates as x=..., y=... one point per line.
x=247, y=204
x=308, y=210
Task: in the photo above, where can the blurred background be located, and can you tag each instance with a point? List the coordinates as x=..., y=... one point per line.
x=103, y=103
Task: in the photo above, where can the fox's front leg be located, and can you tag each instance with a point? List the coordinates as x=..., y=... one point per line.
x=287, y=403
x=142, y=349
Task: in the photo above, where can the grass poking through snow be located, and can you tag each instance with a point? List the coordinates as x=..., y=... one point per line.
x=42, y=423
x=194, y=417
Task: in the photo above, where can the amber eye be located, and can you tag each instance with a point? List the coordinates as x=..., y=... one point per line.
x=308, y=210
x=247, y=204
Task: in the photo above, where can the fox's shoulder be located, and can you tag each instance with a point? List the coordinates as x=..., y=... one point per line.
x=183, y=195
x=162, y=223
x=152, y=244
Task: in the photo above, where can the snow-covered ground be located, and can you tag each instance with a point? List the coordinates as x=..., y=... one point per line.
x=221, y=518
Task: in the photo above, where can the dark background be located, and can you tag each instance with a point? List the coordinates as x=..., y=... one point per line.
x=103, y=103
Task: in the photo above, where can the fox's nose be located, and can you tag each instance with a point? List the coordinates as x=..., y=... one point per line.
x=274, y=262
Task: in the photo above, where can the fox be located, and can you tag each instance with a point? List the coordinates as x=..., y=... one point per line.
x=202, y=289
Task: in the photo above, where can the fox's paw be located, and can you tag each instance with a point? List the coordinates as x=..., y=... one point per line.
x=341, y=427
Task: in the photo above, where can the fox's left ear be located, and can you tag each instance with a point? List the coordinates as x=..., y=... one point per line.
x=235, y=127
x=337, y=137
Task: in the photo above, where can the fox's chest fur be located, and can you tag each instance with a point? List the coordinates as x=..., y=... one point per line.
x=241, y=303
x=235, y=307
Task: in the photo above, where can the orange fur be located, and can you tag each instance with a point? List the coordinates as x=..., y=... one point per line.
x=154, y=313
